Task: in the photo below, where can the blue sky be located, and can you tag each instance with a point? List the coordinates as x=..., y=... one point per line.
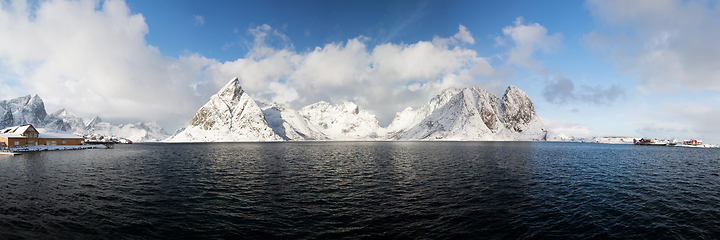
x=592, y=68
x=174, y=28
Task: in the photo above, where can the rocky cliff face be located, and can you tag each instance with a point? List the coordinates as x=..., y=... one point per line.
x=230, y=115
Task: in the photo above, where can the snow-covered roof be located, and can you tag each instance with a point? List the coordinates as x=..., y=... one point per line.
x=12, y=135
x=15, y=129
x=22, y=129
x=45, y=133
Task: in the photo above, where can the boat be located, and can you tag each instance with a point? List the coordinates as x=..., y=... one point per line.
x=648, y=142
x=692, y=143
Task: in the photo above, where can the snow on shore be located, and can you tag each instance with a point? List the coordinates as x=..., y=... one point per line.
x=55, y=148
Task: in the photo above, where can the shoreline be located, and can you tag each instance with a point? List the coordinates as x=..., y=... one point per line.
x=55, y=148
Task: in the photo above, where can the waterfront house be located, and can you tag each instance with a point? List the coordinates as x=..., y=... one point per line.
x=27, y=135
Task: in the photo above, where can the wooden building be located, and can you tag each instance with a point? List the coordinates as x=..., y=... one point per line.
x=27, y=135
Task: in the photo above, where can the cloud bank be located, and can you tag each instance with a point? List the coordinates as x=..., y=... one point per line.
x=92, y=58
x=671, y=44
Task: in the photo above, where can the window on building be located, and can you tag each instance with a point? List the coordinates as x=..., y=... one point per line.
x=63, y=142
x=17, y=143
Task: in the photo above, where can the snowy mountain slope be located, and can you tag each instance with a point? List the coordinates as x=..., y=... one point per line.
x=62, y=120
x=229, y=115
x=136, y=132
x=343, y=121
x=409, y=117
x=470, y=114
x=458, y=114
x=289, y=124
x=557, y=136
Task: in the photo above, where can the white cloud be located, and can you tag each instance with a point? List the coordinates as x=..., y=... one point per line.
x=464, y=35
x=670, y=44
x=94, y=60
x=199, y=20
x=527, y=40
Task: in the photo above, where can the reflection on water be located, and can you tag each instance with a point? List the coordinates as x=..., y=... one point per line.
x=362, y=190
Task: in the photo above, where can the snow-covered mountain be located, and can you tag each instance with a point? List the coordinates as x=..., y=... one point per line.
x=136, y=132
x=22, y=110
x=63, y=120
x=344, y=121
x=31, y=110
x=455, y=114
x=230, y=115
x=470, y=114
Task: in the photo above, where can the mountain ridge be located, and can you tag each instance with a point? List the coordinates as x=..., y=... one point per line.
x=30, y=109
x=464, y=114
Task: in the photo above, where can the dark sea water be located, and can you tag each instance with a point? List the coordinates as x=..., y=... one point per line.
x=362, y=190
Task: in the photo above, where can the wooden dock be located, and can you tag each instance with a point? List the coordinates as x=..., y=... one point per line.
x=8, y=152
